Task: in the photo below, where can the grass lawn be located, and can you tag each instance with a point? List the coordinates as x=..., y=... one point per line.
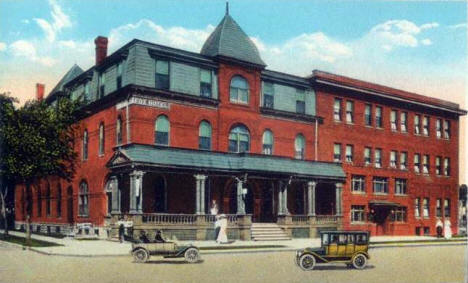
x=22, y=241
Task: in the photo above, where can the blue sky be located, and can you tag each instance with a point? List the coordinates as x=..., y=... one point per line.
x=412, y=45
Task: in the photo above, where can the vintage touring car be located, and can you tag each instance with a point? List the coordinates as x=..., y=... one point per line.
x=349, y=247
x=142, y=251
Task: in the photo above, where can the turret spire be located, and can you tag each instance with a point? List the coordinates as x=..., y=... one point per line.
x=227, y=7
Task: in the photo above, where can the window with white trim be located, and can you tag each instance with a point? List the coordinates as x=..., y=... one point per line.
x=438, y=165
x=267, y=142
x=162, y=130
x=378, y=158
x=378, y=117
x=403, y=122
x=426, y=125
x=83, y=195
x=400, y=187
x=239, y=139
x=349, y=111
x=403, y=160
x=393, y=120
x=447, y=207
x=439, y=207
x=299, y=147
x=417, y=207
x=268, y=95
x=447, y=166
x=337, y=109
x=358, y=184
x=393, y=159
x=337, y=152
x=417, y=124
x=205, y=83
x=349, y=153
x=426, y=164
x=380, y=185
x=204, y=136
x=399, y=214
x=439, y=128
x=426, y=207
x=447, y=129
x=357, y=213
x=162, y=74
x=368, y=115
x=239, y=90
x=367, y=156
x=417, y=163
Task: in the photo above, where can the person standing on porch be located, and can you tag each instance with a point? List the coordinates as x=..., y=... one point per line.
x=447, y=229
x=214, y=208
x=222, y=236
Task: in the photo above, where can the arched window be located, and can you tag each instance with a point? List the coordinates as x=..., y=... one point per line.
x=59, y=201
x=101, y=139
x=267, y=142
x=118, y=130
x=239, y=91
x=48, y=200
x=204, y=136
x=85, y=145
x=239, y=139
x=299, y=145
x=83, y=207
x=161, y=130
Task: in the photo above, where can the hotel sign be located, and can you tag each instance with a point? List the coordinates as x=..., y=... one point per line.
x=144, y=101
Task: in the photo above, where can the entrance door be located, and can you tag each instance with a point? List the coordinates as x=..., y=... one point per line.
x=267, y=208
x=70, y=204
x=381, y=219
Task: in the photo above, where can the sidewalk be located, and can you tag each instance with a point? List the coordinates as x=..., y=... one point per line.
x=94, y=248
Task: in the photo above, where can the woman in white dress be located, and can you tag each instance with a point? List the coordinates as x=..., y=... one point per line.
x=222, y=236
x=447, y=229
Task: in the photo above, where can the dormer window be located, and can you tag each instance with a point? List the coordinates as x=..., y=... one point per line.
x=268, y=95
x=162, y=74
x=102, y=85
x=87, y=94
x=239, y=90
x=205, y=83
x=300, y=101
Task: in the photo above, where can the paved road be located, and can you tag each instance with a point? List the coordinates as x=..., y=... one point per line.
x=408, y=264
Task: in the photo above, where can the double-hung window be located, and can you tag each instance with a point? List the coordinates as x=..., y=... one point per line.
x=439, y=207
x=417, y=163
x=367, y=156
x=357, y=213
x=268, y=95
x=358, y=184
x=239, y=90
x=426, y=207
x=83, y=208
x=447, y=207
x=403, y=122
x=102, y=84
x=161, y=131
x=267, y=142
x=446, y=129
x=162, y=74
x=378, y=158
x=337, y=109
x=393, y=159
x=204, y=136
x=393, y=120
x=417, y=207
x=400, y=186
x=101, y=139
x=400, y=214
x=447, y=166
x=417, y=124
x=378, y=117
x=368, y=115
x=380, y=185
x=438, y=165
x=349, y=111
x=349, y=153
x=300, y=101
x=239, y=139
x=426, y=164
x=299, y=146
x=205, y=83
x=119, y=75
x=426, y=125
x=403, y=160
x=337, y=152
x=439, y=128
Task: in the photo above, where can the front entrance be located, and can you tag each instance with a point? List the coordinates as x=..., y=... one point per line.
x=381, y=219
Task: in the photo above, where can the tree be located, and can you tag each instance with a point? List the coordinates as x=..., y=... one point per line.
x=38, y=141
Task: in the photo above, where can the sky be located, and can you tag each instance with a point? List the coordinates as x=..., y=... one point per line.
x=411, y=45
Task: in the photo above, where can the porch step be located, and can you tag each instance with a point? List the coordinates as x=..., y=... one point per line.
x=268, y=232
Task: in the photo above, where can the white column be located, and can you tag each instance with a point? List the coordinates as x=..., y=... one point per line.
x=200, y=193
x=280, y=198
x=285, y=199
x=311, y=198
x=338, y=198
x=114, y=183
x=136, y=191
x=240, y=198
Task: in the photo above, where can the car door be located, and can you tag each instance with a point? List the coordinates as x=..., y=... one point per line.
x=350, y=246
x=342, y=242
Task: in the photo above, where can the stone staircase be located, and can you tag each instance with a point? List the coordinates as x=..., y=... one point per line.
x=268, y=232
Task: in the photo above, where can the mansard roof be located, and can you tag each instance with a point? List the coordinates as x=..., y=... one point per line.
x=230, y=41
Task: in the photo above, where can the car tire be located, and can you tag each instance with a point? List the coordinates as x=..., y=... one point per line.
x=359, y=261
x=307, y=262
x=192, y=255
x=140, y=255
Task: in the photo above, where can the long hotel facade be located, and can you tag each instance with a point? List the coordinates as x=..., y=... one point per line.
x=168, y=131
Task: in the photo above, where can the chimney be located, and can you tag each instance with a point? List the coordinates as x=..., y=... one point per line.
x=101, y=49
x=40, y=91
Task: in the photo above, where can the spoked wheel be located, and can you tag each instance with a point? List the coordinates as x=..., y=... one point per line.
x=140, y=255
x=359, y=261
x=191, y=255
x=307, y=262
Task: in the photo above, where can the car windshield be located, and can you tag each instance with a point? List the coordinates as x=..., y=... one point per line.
x=361, y=239
x=324, y=239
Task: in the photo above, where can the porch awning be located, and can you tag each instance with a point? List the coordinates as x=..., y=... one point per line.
x=138, y=154
x=383, y=203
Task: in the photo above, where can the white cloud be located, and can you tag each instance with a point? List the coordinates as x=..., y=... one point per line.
x=59, y=21
x=429, y=25
x=26, y=49
x=2, y=46
x=426, y=41
x=25, y=21
x=457, y=26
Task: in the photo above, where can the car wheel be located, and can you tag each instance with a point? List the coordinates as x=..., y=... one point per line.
x=307, y=262
x=140, y=255
x=359, y=261
x=191, y=255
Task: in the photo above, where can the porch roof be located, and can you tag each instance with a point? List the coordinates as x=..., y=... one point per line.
x=138, y=154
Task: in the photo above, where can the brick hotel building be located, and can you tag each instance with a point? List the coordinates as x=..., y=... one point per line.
x=168, y=131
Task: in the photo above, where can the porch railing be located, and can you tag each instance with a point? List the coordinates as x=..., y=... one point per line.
x=300, y=219
x=164, y=218
x=325, y=219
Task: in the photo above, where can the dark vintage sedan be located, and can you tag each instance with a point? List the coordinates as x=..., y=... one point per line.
x=142, y=251
x=348, y=247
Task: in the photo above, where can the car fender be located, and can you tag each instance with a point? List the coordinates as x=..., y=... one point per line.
x=363, y=253
x=138, y=248
x=318, y=258
x=182, y=251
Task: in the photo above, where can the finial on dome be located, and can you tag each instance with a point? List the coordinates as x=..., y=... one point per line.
x=227, y=7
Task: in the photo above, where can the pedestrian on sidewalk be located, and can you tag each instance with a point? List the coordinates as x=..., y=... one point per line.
x=121, y=232
x=447, y=229
x=439, y=228
x=222, y=236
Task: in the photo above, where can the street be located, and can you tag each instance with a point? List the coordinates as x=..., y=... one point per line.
x=407, y=264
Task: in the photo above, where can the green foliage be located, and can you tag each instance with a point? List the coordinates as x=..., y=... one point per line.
x=38, y=140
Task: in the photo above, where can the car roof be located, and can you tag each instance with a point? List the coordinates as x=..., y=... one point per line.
x=344, y=232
